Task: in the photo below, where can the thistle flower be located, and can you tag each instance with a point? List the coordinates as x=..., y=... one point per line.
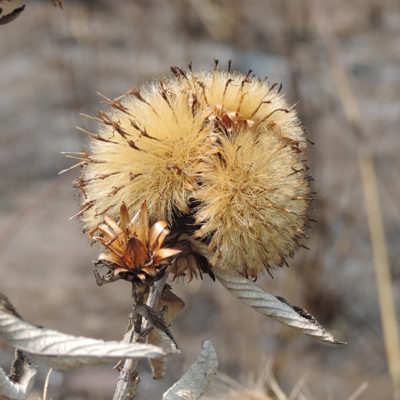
x=135, y=250
x=218, y=155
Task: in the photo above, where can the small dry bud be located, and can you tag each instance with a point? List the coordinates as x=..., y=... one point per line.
x=134, y=249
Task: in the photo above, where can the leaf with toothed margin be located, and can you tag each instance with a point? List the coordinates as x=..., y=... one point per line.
x=273, y=306
x=62, y=351
x=196, y=380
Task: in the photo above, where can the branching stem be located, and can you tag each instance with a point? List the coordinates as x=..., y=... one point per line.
x=128, y=379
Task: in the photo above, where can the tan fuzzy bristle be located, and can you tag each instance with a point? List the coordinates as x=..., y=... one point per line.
x=219, y=155
x=151, y=150
x=247, y=201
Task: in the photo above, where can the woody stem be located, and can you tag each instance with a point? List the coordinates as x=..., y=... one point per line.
x=128, y=379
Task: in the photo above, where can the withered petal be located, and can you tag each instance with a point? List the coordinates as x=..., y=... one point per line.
x=106, y=231
x=142, y=225
x=165, y=253
x=112, y=257
x=92, y=232
x=158, y=232
x=113, y=225
x=113, y=247
x=136, y=252
x=133, y=222
x=174, y=303
x=124, y=215
x=100, y=239
x=133, y=247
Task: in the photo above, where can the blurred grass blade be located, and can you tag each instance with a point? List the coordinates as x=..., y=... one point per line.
x=19, y=383
x=377, y=235
x=196, y=380
x=61, y=351
x=382, y=270
x=273, y=306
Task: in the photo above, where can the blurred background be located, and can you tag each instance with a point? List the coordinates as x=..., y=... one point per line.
x=339, y=61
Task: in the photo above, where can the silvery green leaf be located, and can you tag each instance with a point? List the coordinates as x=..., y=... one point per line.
x=19, y=383
x=196, y=380
x=273, y=306
x=62, y=351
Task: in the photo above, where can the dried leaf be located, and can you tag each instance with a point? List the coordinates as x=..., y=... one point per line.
x=5, y=19
x=157, y=365
x=62, y=351
x=174, y=304
x=156, y=320
x=20, y=381
x=196, y=380
x=273, y=306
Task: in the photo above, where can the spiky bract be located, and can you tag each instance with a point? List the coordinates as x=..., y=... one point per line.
x=134, y=249
x=220, y=151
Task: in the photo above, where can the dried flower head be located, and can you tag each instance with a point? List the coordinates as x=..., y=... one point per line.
x=219, y=155
x=135, y=250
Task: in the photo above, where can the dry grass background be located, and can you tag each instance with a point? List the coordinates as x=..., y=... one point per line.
x=52, y=64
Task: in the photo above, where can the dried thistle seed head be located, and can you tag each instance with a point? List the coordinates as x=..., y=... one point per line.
x=135, y=250
x=253, y=192
x=144, y=151
x=252, y=203
x=219, y=155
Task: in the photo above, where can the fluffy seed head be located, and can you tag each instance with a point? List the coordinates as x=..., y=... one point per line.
x=144, y=151
x=219, y=155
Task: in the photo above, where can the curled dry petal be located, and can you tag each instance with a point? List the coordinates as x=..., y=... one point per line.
x=106, y=231
x=158, y=233
x=133, y=222
x=136, y=252
x=111, y=257
x=165, y=253
x=142, y=226
x=124, y=213
x=113, y=225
